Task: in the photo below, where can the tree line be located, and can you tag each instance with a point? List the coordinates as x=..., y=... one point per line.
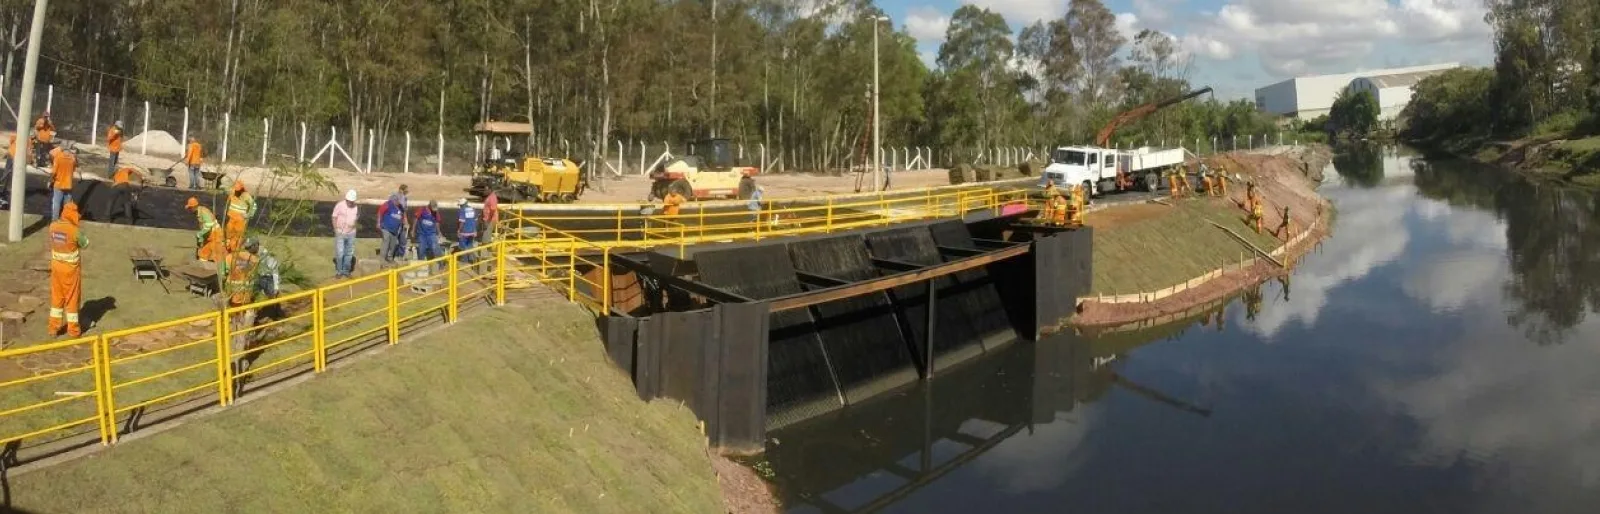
x=1545, y=79
x=787, y=73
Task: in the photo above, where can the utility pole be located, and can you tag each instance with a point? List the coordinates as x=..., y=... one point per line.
x=877, y=131
x=19, y=164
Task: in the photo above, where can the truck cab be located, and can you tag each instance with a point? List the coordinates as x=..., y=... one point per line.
x=1095, y=168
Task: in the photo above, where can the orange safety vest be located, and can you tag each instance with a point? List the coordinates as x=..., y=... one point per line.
x=671, y=203
x=241, y=205
x=114, y=140
x=192, y=156
x=1058, y=207
x=241, y=282
x=43, y=130
x=64, y=238
x=62, y=168
x=123, y=176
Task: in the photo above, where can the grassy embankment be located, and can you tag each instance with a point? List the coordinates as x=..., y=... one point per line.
x=1150, y=247
x=522, y=416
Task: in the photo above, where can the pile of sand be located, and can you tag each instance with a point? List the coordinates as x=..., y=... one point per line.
x=158, y=141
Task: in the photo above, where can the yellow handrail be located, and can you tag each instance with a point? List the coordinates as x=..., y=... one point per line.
x=170, y=366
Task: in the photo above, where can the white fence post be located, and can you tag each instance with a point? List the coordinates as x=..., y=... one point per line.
x=371, y=138
x=302, y=154
x=408, y=151
x=144, y=142
x=333, y=139
x=266, y=134
x=94, y=126
x=49, y=97
x=227, y=120
x=184, y=138
x=641, y=157
x=440, y=163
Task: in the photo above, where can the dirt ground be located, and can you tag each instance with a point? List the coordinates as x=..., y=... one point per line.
x=743, y=491
x=446, y=189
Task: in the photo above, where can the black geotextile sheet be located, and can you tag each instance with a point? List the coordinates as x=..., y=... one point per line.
x=799, y=383
x=863, y=340
x=976, y=288
x=955, y=329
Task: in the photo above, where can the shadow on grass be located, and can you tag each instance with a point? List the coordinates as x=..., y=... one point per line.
x=93, y=310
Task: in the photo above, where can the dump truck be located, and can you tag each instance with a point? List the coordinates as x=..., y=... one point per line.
x=712, y=170
x=516, y=177
x=1098, y=169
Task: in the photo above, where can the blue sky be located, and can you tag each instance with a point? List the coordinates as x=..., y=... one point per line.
x=1239, y=45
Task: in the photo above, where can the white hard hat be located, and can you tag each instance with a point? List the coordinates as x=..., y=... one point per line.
x=350, y=196
x=462, y=202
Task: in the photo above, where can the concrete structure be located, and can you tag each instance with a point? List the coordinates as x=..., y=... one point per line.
x=1309, y=97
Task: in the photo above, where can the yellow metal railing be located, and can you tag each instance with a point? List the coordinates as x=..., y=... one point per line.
x=105, y=385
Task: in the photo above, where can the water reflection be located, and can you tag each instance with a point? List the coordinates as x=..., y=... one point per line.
x=1402, y=375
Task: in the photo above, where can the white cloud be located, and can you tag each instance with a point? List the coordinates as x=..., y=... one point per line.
x=927, y=24
x=1023, y=12
x=1295, y=37
x=1128, y=25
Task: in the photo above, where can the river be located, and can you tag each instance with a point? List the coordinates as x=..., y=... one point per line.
x=1437, y=354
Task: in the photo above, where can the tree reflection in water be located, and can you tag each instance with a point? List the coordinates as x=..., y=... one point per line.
x=1552, y=239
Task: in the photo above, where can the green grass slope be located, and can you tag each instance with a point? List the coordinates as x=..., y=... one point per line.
x=507, y=411
x=1164, y=251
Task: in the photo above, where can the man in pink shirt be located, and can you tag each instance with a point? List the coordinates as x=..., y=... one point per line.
x=344, y=236
x=491, y=216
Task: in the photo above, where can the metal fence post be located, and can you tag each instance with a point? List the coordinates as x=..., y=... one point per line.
x=408, y=152
x=394, y=311
x=453, y=310
x=49, y=97
x=440, y=157
x=302, y=156
x=333, y=140
x=266, y=135
x=500, y=272
x=144, y=142
x=224, y=361
x=105, y=405
x=319, y=330
x=94, y=124
x=605, y=281
x=227, y=126
x=372, y=137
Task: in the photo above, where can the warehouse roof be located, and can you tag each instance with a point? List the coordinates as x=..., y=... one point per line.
x=1401, y=79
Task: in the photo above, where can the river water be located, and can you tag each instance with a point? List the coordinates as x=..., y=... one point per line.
x=1439, y=353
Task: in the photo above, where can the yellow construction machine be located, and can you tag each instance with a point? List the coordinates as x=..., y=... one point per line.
x=516, y=177
x=711, y=170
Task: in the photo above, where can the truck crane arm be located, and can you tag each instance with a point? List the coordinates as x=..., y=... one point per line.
x=1135, y=114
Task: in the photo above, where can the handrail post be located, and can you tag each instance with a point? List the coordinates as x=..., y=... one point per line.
x=827, y=227
x=224, y=360
x=394, y=312
x=500, y=273
x=453, y=311
x=619, y=224
x=605, y=282
x=319, y=330
x=104, y=404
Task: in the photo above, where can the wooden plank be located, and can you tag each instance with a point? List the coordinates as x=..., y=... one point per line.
x=892, y=281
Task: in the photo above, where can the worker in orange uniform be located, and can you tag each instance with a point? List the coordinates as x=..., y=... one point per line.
x=44, y=135
x=193, y=156
x=66, y=273
x=63, y=165
x=1173, y=185
x=1257, y=214
x=241, y=209
x=671, y=204
x=1222, y=182
x=239, y=268
x=1076, y=206
x=122, y=193
x=113, y=145
x=1057, y=207
x=208, y=240
x=1285, y=228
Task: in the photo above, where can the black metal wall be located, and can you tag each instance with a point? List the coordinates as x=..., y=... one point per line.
x=714, y=360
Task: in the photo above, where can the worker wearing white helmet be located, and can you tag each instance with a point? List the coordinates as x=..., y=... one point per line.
x=345, y=217
x=466, y=229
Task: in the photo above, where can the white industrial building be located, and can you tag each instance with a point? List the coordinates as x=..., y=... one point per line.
x=1309, y=97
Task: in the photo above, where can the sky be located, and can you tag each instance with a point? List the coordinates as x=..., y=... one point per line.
x=1240, y=45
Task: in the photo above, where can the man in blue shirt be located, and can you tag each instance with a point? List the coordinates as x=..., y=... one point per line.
x=755, y=204
x=392, y=223
x=427, y=223
x=467, y=230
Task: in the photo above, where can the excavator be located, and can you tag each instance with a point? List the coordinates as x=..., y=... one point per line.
x=1103, y=138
